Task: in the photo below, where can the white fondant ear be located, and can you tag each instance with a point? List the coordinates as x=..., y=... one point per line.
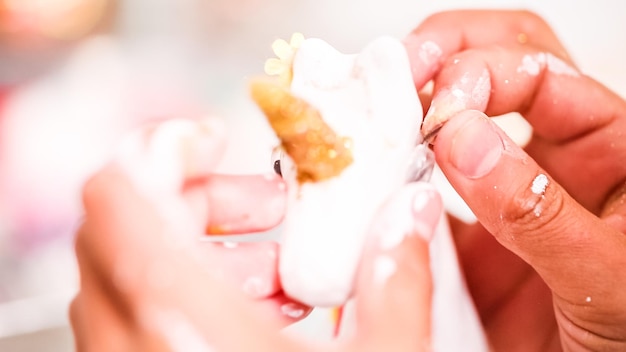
x=324, y=68
x=383, y=64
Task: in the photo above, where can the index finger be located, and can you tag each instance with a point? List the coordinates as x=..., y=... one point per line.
x=444, y=34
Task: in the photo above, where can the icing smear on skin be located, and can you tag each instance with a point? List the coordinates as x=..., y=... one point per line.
x=538, y=187
x=533, y=64
x=430, y=52
x=540, y=183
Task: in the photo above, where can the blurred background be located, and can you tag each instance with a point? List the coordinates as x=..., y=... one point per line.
x=75, y=75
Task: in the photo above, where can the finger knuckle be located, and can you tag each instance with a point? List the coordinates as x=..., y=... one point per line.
x=530, y=212
x=531, y=22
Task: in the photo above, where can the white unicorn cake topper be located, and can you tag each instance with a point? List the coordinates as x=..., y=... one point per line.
x=349, y=127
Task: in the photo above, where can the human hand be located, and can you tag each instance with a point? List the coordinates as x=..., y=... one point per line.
x=559, y=205
x=147, y=283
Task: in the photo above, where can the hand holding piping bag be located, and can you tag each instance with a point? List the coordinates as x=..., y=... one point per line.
x=545, y=263
x=147, y=284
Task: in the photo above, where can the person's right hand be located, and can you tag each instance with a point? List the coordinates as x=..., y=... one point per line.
x=545, y=264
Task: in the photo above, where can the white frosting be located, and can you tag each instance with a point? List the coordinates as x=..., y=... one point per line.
x=370, y=98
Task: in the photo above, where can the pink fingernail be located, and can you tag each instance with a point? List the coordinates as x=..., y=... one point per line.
x=415, y=209
x=427, y=209
x=293, y=310
x=476, y=146
x=470, y=92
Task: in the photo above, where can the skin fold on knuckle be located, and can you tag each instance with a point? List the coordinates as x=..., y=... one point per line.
x=530, y=217
x=577, y=334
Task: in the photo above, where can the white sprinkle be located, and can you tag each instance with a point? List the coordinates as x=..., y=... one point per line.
x=588, y=299
x=456, y=61
x=384, y=267
x=540, y=183
x=292, y=310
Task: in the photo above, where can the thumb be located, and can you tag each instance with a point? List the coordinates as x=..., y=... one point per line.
x=393, y=300
x=531, y=214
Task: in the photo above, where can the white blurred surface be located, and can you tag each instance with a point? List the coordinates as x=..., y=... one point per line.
x=198, y=54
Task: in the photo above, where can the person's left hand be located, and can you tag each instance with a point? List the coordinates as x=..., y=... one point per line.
x=148, y=283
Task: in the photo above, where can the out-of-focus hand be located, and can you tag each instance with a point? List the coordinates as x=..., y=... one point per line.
x=149, y=284
x=552, y=279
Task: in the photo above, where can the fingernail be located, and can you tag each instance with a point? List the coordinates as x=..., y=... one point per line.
x=444, y=105
x=476, y=145
x=415, y=209
x=470, y=92
x=427, y=207
x=293, y=310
